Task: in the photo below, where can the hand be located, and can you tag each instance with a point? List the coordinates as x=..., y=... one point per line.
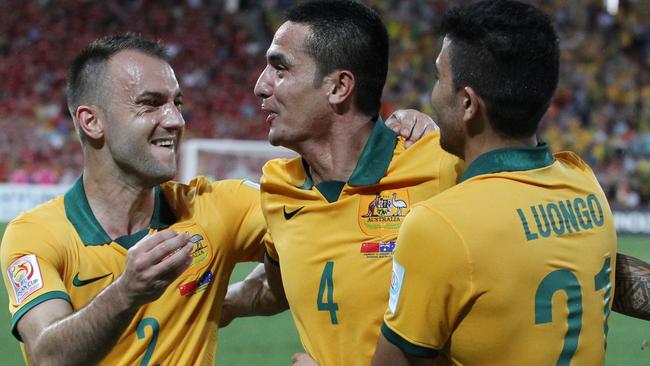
x=411, y=125
x=227, y=312
x=152, y=264
x=303, y=359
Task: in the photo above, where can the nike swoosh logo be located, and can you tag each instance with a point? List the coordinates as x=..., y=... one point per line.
x=289, y=215
x=78, y=283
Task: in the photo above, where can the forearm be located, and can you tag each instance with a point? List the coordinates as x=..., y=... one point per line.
x=253, y=296
x=632, y=293
x=86, y=336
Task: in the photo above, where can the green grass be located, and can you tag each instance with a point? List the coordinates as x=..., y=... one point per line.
x=271, y=341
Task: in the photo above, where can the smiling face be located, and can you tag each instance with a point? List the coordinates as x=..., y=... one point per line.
x=297, y=110
x=144, y=124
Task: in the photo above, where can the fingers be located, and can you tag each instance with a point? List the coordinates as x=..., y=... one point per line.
x=423, y=125
x=165, y=254
x=410, y=124
x=167, y=247
x=175, y=263
x=402, y=122
x=151, y=241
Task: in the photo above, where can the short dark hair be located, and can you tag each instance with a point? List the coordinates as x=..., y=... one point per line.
x=84, y=83
x=351, y=36
x=508, y=52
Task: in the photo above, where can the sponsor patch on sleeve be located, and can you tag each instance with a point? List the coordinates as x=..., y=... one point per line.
x=25, y=277
x=396, y=281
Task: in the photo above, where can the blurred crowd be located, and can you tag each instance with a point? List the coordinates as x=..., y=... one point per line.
x=601, y=109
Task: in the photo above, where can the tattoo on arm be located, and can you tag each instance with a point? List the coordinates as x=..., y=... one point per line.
x=632, y=293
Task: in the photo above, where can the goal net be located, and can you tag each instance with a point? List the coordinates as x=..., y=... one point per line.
x=225, y=159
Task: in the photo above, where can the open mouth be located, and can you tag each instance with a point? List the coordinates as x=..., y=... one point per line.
x=271, y=117
x=167, y=143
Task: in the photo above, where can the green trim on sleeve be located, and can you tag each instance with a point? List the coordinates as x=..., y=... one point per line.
x=407, y=347
x=36, y=301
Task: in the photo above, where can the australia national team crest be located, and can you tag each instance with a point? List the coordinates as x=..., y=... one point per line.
x=25, y=277
x=199, y=277
x=383, y=212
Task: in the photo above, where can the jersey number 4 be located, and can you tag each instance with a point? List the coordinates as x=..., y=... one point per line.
x=565, y=280
x=326, y=288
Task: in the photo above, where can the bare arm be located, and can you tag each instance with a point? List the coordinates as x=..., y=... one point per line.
x=54, y=334
x=389, y=354
x=632, y=294
x=260, y=293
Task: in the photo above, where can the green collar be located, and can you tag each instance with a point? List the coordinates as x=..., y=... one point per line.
x=374, y=160
x=90, y=231
x=510, y=159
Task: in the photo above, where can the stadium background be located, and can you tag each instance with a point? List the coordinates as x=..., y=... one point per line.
x=601, y=109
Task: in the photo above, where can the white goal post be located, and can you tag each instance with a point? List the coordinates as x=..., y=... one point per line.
x=223, y=159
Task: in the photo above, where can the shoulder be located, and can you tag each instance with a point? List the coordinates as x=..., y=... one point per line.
x=50, y=214
x=571, y=159
x=43, y=229
x=427, y=157
x=284, y=171
x=201, y=186
x=201, y=192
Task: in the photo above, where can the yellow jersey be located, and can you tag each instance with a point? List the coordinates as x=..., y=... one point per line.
x=513, y=266
x=334, y=241
x=59, y=250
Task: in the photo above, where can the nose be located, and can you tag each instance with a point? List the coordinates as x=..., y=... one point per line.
x=263, y=86
x=172, y=117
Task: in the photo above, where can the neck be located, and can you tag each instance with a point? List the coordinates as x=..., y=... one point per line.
x=335, y=155
x=481, y=144
x=121, y=207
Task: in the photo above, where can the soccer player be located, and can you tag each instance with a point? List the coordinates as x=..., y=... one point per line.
x=333, y=213
x=514, y=265
x=127, y=268
x=332, y=266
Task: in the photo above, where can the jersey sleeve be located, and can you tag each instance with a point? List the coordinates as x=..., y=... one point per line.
x=271, y=252
x=32, y=267
x=250, y=224
x=430, y=285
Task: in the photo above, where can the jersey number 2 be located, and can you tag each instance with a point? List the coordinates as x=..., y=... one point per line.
x=155, y=327
x=327, y=286
x=563, y=279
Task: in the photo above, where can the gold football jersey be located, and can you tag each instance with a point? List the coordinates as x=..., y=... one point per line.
x=59, y=250
x=334, y=241
x=513, y=266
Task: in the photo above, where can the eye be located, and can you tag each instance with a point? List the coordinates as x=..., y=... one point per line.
x=178, y=103
x=149, y=103
x=279, y=70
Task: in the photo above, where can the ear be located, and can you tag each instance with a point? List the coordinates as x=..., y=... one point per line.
x=341, y=86
x=471, y=104
x=90, y=121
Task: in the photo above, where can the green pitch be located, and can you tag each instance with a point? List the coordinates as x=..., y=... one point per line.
x=271, y=341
